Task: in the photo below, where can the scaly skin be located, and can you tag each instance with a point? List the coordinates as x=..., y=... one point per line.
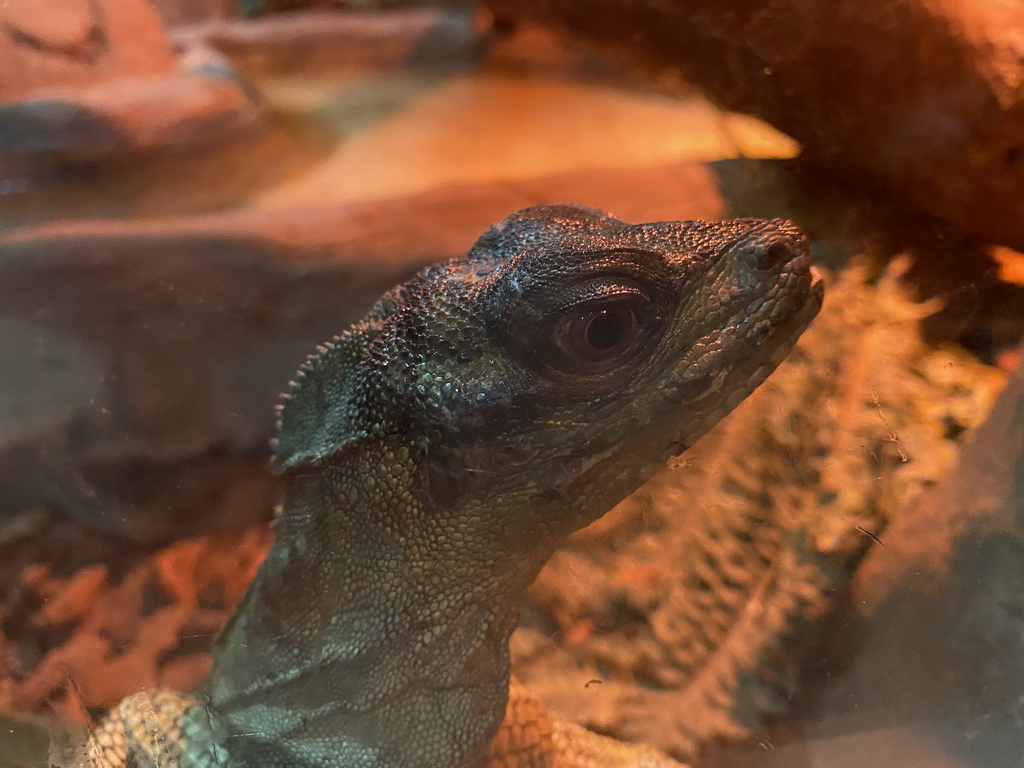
x=435, y=455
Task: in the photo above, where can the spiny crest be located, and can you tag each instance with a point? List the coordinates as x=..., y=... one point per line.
x=317, y=416
x=296, y=382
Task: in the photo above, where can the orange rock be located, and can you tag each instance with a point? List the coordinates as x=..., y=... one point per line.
x=76, y=43
x=67, y=32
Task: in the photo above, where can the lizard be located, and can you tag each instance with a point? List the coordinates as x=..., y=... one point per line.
x=434, y=456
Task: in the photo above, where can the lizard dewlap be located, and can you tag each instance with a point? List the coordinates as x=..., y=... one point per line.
x=434, y=455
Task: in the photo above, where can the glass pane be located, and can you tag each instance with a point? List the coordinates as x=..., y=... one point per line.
x=651, y=372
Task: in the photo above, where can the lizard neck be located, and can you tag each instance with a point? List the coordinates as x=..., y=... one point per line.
x=371, y=630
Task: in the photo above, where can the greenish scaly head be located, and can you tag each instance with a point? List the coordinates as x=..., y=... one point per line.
x=542, y=378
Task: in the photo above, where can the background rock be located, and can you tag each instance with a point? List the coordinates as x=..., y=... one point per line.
x=920, y=100
x=78, y=43
x=930, y=644
x=80, y=81
x=137, y=348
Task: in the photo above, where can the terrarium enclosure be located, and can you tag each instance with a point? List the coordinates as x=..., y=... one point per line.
x=197, y=195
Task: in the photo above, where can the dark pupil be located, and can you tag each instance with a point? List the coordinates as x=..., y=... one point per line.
x=605, y=330
x=600, y=337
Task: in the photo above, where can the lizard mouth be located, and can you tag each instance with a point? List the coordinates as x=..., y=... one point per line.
x=791, y=328
x=815, y=295
x=817, y=281
x=733, y=387
x=784, y=328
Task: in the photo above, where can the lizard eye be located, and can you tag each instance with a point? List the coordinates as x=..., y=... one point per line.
x=582, y=328
x=597, y=336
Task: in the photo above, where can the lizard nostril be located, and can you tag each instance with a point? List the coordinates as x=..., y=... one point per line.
x=768, y=256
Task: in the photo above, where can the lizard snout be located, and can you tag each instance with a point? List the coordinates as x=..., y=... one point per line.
x=784, y=245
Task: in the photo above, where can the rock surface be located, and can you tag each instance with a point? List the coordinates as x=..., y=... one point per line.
x=78, y=43
x=932, y=633
x=140, y=346
x=81, y=80
x=940, y=608
x=920, y=98
x=178, y=12
x=366, y=41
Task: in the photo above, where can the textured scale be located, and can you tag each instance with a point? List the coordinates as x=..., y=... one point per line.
x=434, y=456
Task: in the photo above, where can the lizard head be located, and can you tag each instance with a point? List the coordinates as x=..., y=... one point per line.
x=434, y=455
x=542, y=378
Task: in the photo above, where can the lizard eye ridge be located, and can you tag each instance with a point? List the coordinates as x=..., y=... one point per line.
x=581, y=328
